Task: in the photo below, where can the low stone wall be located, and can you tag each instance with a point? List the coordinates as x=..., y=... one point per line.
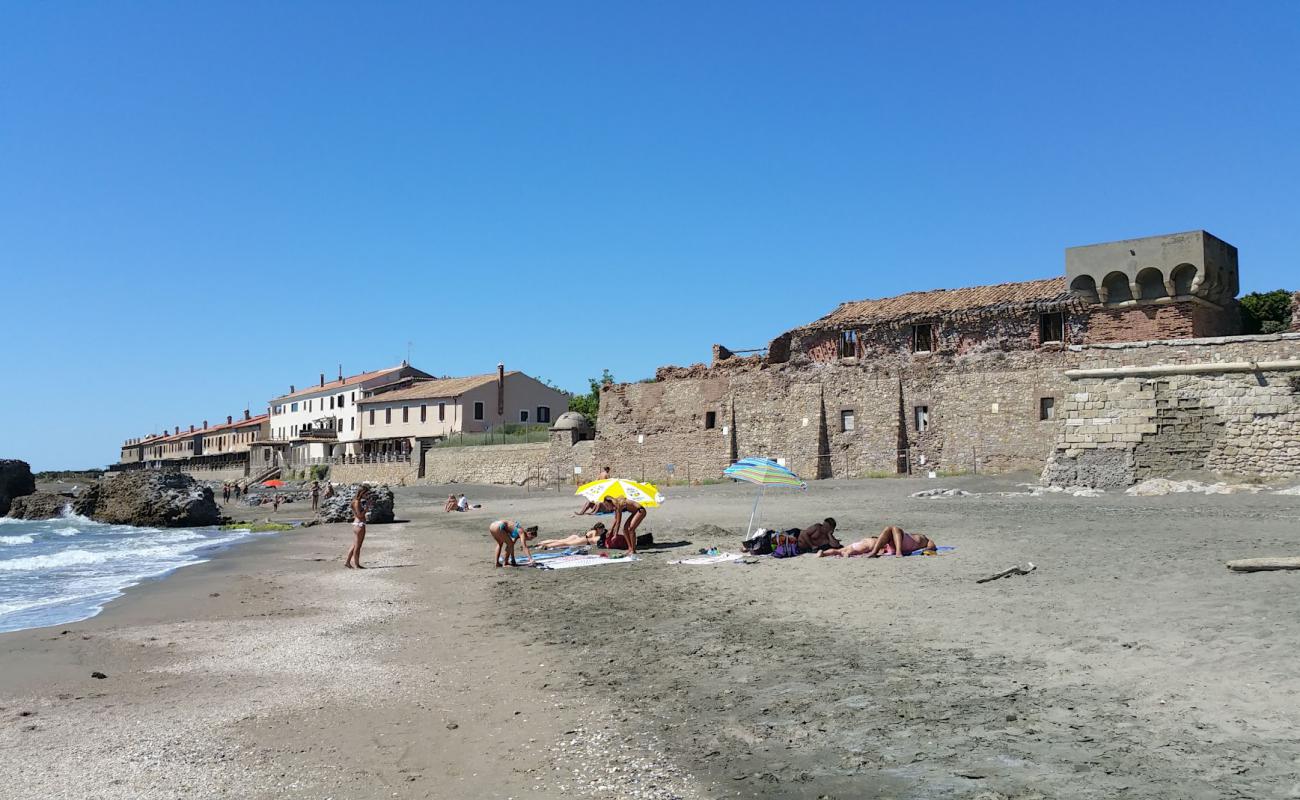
x=1156, y=408
x=222, y=475
x=517, y=464
x=394, y=474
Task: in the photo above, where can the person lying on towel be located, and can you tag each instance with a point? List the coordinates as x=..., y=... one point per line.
x=818, y=537
x=589, y=507
x=893, y=540
x=588, y=539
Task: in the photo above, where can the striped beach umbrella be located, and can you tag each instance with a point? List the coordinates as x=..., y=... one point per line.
x=644, y=493
x=764, y=472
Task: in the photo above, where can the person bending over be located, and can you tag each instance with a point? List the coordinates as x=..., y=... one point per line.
x=505, y=533
x=590, y=539
x=635, y=514
x=818, y=537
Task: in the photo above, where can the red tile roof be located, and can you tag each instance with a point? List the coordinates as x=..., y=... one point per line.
x=441, y=387
x=949, y=302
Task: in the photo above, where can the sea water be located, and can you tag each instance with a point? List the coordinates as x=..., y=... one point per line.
x=66, y=569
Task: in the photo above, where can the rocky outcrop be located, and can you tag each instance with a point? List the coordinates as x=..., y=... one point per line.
x=15, y=481
x=42, y=505
x=144, y=497
x=339, y=507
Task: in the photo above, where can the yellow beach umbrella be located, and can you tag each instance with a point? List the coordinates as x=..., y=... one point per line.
x=644, y=493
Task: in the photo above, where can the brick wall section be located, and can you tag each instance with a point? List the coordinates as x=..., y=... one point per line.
x=1183, y=320
x=516, y=464
x=1118, y=430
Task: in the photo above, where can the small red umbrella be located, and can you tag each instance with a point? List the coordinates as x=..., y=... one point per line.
x=274, y=484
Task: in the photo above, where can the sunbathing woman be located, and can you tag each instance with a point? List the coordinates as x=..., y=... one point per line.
x=589, y=539
x=505, y=533
x=893, y=540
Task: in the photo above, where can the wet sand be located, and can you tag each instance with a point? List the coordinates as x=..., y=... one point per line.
x=1130, y=664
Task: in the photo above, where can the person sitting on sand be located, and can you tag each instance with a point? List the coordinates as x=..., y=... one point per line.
x=893, y=540
x=595, y=508
x=627, y=536
x=818, y=537
x=505, y=533
x=360, y=507
x=462, y=503
x=450, y=505
x=589, y=539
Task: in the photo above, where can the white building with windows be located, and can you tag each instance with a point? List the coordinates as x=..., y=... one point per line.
x=323, y=420
x=431, y=409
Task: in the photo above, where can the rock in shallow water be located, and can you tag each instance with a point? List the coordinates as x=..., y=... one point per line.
x=42, y=505
x=144, y=497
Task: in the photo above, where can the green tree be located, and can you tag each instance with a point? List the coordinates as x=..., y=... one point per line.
x=1266, y=312
x=589, y=404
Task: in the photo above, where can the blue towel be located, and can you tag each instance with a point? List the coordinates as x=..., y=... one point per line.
x=941, y=549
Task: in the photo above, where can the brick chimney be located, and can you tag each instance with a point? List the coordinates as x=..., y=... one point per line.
x=246, y=417
x=501, y=390
x=291, y=389
x=229, y=419
x=205, y=424
x=322, y=379
x=340, y=373
x=177, y=431
x=191, y=429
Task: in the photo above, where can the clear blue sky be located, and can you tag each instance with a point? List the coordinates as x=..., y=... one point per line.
x=573, y=186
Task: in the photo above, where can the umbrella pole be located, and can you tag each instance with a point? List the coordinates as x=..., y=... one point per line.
x=754, y=511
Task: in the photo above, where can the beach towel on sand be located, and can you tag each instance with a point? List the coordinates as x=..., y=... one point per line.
x=568, y=562
x=720, y=558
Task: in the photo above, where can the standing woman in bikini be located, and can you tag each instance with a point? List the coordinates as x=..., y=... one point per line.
x=505, y=533
x=635, y=514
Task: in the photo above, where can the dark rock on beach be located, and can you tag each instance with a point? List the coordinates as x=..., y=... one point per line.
x=161, y=499
x=42, y=505
x=339, y=507
x=15, y=481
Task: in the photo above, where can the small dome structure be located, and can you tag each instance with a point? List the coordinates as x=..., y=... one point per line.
x=571, y=421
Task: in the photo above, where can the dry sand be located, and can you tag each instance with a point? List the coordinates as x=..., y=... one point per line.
x=1130, y=664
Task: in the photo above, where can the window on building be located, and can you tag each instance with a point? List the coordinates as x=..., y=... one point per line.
x=352, y=424
x=478, y=409
x=710, y=420
x=922, y=338
x=442, y=412
x=309, y=402
x=543, y=413
x=406, y=413
x=921, y=418
x=846, y=420
x=388, y=416
x=848, y=344
x=424, y=413
x=293, y=406
x=372, y=416
x=339, y=401
x=523, y=415
x=1051, y=327
x=354, y=398
x=1046, y=408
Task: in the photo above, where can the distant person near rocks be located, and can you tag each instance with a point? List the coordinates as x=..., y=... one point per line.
x=315, y=495
x=360, y=507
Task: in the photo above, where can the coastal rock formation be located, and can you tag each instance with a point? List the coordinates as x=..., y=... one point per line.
x=144, y=497
x=15, y=481
x=339, y=507
x=41, y=505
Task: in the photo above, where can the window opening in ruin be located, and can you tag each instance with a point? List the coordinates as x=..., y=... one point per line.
x=1051, y=327
x=848, y=344
x=921, y=418
x=922, y=338
x=523, y=415
x=543, y=413
x=1046, y=408
x=846, y=420
x=478, y=409
x=710, y=420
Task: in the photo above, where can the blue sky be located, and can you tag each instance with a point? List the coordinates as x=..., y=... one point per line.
x=201, y=203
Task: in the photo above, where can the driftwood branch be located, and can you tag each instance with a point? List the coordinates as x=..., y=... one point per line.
x=1011, y=571
x=1263, y=564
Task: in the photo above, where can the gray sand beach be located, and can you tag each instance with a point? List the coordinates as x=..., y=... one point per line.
x=1131, y=663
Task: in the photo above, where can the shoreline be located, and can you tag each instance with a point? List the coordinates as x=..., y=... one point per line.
x=270, y=671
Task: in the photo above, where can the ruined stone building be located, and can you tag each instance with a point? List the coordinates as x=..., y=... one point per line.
x=974, y=379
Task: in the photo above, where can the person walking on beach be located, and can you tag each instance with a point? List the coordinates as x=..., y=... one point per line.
x=315, y=495
x=505, y=533
x=360, y=507
x=276, y=502
x=225, y=494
